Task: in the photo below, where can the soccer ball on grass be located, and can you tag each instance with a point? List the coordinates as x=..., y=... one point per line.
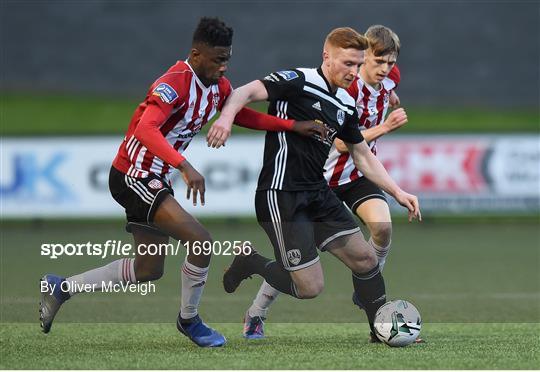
x=397, y=323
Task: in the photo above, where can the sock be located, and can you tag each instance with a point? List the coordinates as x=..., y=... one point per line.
x=119, y=271
x=193, y=281
x=273, y=273
x=265, y=297
x=381, y=252
x=370, y=289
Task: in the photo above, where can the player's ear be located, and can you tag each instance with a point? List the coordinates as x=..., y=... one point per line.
x=195, y=54
x=325, y=56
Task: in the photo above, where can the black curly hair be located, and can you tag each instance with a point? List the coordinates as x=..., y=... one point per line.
x=213, y=32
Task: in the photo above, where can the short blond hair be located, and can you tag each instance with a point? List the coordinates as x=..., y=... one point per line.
x=382, y=40
x=346, y=37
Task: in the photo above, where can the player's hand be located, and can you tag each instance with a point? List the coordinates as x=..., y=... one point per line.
x=395, y=120
x=194, y=181
x=410, y=202
x=393, y=100
x=219, y=133
x=310, y=128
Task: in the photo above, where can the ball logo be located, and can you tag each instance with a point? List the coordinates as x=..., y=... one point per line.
x=294, y=256
x=155, y=184
x=340, y=117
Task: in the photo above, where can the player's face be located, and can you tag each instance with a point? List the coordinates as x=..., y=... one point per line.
x=343, y=66
x=376, y=68
x=211, y=63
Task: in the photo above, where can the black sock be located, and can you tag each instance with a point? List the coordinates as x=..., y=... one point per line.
x=274, y=274
x=370, y=290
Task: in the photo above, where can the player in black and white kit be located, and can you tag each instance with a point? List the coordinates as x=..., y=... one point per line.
x=294, y=203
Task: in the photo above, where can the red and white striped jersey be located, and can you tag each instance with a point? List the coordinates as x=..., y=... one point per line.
x=372, y=106
x=185, y=105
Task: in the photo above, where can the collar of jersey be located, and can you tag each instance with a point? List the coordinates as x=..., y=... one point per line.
x=370, y=88
x=320, y=72
x=197, y=80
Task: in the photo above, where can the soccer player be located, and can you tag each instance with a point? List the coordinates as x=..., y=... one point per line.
x=176, y=106
x=293, y=202
x=373, y=90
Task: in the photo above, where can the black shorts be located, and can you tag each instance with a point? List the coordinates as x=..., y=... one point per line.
x=140, y=197
x=358, y=191
x=298, y=223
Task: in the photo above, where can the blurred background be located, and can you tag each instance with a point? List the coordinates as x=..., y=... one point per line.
x=72, y=73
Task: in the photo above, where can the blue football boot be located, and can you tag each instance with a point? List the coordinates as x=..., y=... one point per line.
x=198, y=332
x=51, y=300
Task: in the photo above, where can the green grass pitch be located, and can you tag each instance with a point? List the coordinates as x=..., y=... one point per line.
x=288, y=346
x=476, y=284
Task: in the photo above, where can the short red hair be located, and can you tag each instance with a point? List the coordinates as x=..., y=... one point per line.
x=346, y=38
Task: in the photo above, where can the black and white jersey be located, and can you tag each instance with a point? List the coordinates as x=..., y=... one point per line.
x=293, y=162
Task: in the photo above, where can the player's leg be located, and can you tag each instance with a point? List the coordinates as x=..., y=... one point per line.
x=371, y=207
x=137, y=203
x=175, y=221
x=308, y=283
x=376, y=215
x=338, y=233
x=367, y=279
x=303, y=283
x=142, y=268
x=296, y=270
x=369, y=203
x=262, y=302
x=172, y=219
x=256, y=314
x=148, y=267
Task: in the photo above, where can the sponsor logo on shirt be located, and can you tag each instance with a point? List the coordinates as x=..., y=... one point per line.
x=165, y=92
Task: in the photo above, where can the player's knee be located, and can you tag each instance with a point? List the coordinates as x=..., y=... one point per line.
x=202, y=235
x=146, y=274
x=364, y=262
x=310, y=290
x=381, y=233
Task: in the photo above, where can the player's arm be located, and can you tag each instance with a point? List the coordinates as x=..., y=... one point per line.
x=148, y=133
x=221, y=129
x=393, y=100
x=395, y=76
x=395, y=120
x=372, y=168
x=280, y=85
x=252, y=119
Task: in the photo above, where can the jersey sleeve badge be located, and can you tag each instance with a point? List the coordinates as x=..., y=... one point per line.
x=288, y=75
x=165, y=92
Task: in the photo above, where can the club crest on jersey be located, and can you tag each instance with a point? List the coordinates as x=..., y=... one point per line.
x=215, y=99
x=155, y=184
x=294, y=256
x=340, y=117
x=165, y=92
x=288, y=75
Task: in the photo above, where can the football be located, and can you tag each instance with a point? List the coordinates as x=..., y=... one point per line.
x=397, y=323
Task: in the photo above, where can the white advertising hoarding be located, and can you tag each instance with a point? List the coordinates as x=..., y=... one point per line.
x=68, y=176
